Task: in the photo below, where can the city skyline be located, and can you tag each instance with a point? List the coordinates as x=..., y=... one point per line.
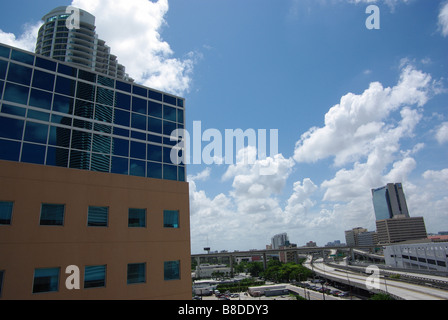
x=355, y=108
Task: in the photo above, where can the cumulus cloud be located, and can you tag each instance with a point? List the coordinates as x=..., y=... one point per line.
x=25, y=41
x=442, y=133
x=132, y=29
x=358, y=120
x=443, y=19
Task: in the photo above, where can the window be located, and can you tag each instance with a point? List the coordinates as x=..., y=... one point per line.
x=136, y=273
x=2, y=272
x=52, y=214
x=94, y=276
x=46, y=280
x=171, y=219
x=171, y=270
x=19, y=74
x=97, y=216
x=6, y=212
x=137, y=217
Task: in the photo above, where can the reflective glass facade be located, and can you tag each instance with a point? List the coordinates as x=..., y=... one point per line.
x=55, y=114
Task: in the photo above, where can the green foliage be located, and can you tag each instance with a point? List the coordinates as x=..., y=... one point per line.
x=285, y=272
x=241, y=286
x=381, y=296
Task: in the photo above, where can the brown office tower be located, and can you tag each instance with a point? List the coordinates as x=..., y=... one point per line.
x=91, y=205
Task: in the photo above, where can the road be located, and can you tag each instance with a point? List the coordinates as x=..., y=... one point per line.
x=399, y=289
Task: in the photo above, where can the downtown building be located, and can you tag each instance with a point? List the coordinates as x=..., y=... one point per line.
x=87, y=184
x=393, y=222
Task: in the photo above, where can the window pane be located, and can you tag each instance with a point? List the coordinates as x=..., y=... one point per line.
x=138, y=150
x=85, y=91
x=139, y=105
x=3, y=67
x=45, y=64
x=181, y=173
x=123, y=86
x=52, y=214
x=16, y=93
x=33, y=153
x=97, y=216
x=154, y=153
x=43, y=80
x=136, y=273
x=11, y=128
x=59, y=137
x=180, y=116
x=154, y=170
x=9, y=150
x=137, y=168
x=138, y=121
x=171, y=270
x=63, y=104
x=140, y=91
x=122, y=117
x=120, y=165
x=46, y=280
x=169, y=99
x=155, y=95
x=137, y=217
x=84, y=109
x=79, y=160
x=120, y=147
x=36, y=132
x=57, y=157
x=95, y=276
x=168, y=127
x=104, y=96
x=100, y=162
x=122, y=101
x=6, y=212
x=169, y=113
x=22, y=57
x=19, y=74
x=169, y=172
x=154, y=125
x=40, y=99
x=155, y=109
x=171, y=219
x=17, y=111
x=65, y=86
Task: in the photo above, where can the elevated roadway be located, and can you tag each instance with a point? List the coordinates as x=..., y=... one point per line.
x=397, y=289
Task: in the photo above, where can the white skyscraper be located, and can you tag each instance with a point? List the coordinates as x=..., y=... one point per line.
x=78, y=43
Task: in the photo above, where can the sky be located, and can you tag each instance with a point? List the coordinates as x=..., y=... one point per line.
x=355, y=108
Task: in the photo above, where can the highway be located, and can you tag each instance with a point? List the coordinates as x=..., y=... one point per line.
x=397, y=289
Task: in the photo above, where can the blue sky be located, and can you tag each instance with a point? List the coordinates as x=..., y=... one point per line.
x=354, y=108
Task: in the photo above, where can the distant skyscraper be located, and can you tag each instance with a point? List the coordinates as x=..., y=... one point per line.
x=78, y=44
x=389, y=201
x=279, y=240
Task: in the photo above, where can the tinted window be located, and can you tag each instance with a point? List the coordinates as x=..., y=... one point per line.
x=138, y=105
x=154, y=170
x=122, y=101
x=11, y=128
x=22, y=57
x=65, y=86
x=45, y=64
x=16, y=93
x=40, y=99
x=9, y=150
x=154, y=125
x=36, y=132
x=155, y=109
x=19, y=74
x=43, y=80
x=169, y=113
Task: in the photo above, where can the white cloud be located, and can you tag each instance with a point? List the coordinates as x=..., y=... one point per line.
x=132, y=29
x=25, y=41
x=443, y=19
x=442, y=133
x=358, y=120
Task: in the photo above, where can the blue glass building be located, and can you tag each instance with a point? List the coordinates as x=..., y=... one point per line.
x=58, y=114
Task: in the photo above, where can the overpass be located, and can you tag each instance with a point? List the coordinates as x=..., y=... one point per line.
x=269, y=252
